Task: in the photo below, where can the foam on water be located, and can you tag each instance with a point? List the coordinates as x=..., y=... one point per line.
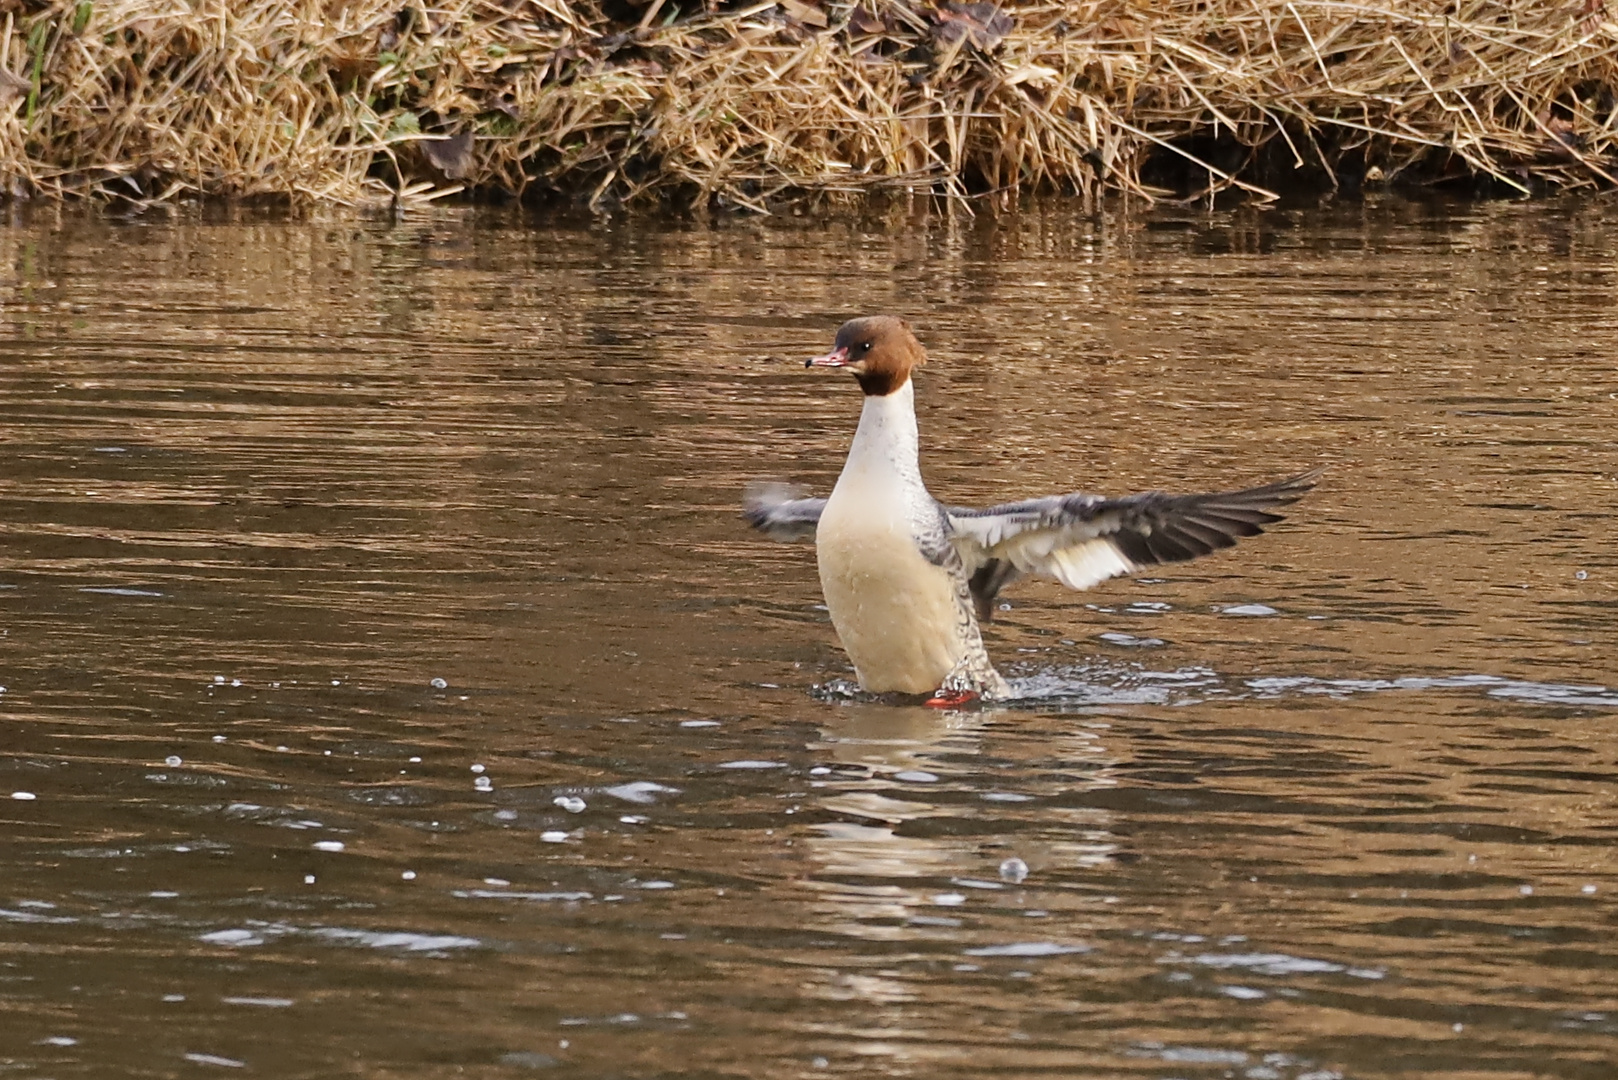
x=1094, y=685
x=256, y=932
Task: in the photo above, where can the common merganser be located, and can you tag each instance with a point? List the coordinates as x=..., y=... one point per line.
x=907, y=578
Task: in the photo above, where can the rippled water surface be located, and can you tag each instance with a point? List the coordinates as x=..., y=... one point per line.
x=391, y=689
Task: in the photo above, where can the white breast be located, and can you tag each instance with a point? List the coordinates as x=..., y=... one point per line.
x=895, y=611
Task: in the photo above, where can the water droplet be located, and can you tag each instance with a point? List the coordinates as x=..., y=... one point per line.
x=483, y=783
x=218, y=738
x=328, y=845
x=172, y=761
x=1249, y=609
x=1013, y=870
x=916, y=776
x=440, y=684
x=571, y=803
x=1526, y=890
x=1587, y=889
x=24, y=796
x=1581, y=575
x=528, y=1059
x=408, y=875
x=1028, y=948
x=1244, y=993
x=553, y=836
x=495, y=881
x=949, y=899
x=308, y=879
x=1136, y=642
x=214, y=1059
x=477, y=768
x=640, y=791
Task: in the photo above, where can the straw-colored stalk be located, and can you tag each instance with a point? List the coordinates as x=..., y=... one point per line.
x=365, y=101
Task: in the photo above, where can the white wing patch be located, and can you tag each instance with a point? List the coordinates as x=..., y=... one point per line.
x=1072, y=553
x=1076, y=561
x=1087, y=564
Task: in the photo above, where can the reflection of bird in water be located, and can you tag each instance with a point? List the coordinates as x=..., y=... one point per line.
x=914, y=811
x=915, y=823
x=907, y=579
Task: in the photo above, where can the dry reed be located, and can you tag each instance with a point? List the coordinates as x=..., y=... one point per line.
x=607, y=99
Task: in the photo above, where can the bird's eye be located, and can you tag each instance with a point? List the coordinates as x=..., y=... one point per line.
x=864, y=346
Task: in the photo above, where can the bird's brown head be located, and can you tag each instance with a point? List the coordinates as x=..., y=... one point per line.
x=878, y=350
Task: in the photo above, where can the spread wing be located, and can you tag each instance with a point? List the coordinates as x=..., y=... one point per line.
x=772, y=509
x=1083, y=539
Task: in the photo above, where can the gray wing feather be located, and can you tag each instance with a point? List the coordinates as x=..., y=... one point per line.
x=1083, y=539
x=774, y=510
x=931, y=530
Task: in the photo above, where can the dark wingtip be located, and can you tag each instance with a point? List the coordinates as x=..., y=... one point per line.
x=1204, y=524
x=1283, y=492
x=1304, y=480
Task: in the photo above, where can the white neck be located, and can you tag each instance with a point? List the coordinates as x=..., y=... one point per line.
x=886, y=437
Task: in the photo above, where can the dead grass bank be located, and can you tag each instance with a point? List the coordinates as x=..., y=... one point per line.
x=617, y=99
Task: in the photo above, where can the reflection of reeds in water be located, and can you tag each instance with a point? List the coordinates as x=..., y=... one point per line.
x=387, y=100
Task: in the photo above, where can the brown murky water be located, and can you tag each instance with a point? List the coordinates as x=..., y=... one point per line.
x=391, y=689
